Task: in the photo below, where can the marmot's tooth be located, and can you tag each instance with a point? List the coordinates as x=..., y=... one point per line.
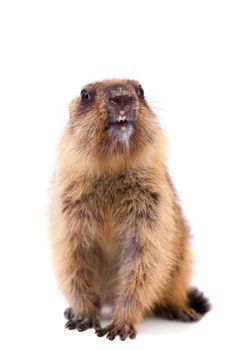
x=121, y=118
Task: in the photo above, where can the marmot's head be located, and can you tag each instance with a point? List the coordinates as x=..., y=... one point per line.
x=111, y=121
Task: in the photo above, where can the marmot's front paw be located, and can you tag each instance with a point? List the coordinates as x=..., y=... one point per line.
x=80, y=323
x=69, y=314
x=124, y=331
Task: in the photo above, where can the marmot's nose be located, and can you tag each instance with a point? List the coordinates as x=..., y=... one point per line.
x=119, y=97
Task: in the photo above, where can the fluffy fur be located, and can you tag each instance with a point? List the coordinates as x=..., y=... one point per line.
x=117, y=231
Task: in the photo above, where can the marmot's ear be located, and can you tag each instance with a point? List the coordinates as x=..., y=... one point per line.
x=73, y=105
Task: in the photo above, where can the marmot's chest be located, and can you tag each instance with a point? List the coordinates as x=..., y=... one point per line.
x=111, y=200
x=120, y=190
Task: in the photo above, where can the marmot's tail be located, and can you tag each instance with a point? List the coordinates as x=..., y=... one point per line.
x=198, y=301
x=197, y=306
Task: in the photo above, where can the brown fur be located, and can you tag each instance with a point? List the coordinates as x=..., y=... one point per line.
x=117, y=231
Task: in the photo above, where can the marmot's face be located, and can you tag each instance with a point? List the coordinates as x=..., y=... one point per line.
x=111, y=119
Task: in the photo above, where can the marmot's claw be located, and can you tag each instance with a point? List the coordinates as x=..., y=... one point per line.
x=111, y=331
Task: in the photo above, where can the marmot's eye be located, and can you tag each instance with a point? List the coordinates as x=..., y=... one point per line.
x=140, y=91
x=85, y=95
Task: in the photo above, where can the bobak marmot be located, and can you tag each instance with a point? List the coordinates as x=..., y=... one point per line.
x=117, y=231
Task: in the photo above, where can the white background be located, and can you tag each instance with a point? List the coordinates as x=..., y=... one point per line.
x=182, y=53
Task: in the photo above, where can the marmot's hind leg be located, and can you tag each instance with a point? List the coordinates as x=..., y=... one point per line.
x=182, y=302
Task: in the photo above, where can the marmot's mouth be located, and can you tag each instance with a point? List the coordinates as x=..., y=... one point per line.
x=120, y=129
x=121, y=122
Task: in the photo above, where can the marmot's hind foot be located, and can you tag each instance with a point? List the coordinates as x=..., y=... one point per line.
x=187, y=315
x=198, y=305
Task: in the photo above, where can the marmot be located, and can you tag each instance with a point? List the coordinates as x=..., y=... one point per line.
x=117, y=230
